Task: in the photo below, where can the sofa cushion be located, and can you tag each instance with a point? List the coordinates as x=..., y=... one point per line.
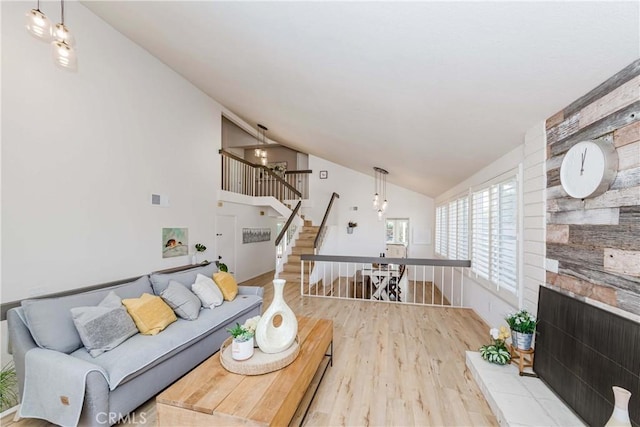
x=160, y=281
x=184, y=302
x=49, y=319
x=207, y=291
x=105, y=326
x=150, y=313
x=227, y=285
x=142, y=352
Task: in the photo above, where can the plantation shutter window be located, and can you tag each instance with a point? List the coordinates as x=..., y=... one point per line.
x=504, y=235
x=480, y=243
x=453, y=227
x=494, y=234
x=463, y=228
x=442, y=236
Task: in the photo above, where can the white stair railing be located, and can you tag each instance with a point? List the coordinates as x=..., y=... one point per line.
x=399, y=280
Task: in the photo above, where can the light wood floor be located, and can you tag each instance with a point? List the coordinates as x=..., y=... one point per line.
x=394, y=365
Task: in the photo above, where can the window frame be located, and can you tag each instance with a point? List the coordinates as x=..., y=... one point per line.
x=395, y=231
x=506, y=292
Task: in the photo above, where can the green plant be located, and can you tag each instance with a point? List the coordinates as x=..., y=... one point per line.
x=244, y=332
x=200, y=247
x=522, y=322
x=8, y=387
x=222, y=266
x=497, y=351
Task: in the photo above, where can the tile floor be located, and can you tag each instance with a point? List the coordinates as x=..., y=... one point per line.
x=516, y=400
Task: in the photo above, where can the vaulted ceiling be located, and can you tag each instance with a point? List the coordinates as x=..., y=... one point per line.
x=431, y=91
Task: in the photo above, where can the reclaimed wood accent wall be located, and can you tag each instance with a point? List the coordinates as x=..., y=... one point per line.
x=593, y=245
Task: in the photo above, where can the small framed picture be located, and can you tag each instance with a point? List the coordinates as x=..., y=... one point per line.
x=323, y=174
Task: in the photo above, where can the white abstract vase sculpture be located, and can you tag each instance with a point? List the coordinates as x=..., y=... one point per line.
x=269, y=337
x=620, y=415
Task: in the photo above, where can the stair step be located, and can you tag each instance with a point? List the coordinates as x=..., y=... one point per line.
x=293, y=259
x=310, y=229
x=299, y=250
x=292, y=268
x=305, y=243
x=307, y=223
x=307, y=235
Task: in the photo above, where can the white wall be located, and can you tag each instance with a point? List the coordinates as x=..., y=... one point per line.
x=82, y=152
x=356, y=189
x=529, y=158
x=252, y=259
x=534, y=187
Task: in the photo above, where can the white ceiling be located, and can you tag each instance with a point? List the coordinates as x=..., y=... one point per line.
x=430, y=91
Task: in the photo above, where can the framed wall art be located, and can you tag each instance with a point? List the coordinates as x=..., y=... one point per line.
x=255, y=235
x=175, y=242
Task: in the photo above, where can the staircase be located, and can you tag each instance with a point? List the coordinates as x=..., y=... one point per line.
x=303, y=245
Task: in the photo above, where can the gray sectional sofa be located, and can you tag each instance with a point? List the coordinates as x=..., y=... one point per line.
x=143, y=365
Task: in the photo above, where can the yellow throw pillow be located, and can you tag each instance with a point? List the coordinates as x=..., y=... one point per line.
x=150, y=313
x=227, y=285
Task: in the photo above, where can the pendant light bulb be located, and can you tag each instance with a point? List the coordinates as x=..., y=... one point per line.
x=379, y=214
x=376, y=199
x=384, y=205
x=62, y=33
x=38, y=24
x=64, y=56
x=263, y=161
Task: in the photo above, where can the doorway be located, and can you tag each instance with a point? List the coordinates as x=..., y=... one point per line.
x=226, y=241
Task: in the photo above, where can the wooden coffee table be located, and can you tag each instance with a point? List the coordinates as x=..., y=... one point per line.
x=211, y=395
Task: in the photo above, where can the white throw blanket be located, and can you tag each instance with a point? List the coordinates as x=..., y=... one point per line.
x=55, y=395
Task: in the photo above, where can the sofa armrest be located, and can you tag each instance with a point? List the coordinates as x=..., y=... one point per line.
x=251, y=290
x=20, y=341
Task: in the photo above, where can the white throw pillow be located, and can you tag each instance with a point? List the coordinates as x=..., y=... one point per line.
x=208, y=292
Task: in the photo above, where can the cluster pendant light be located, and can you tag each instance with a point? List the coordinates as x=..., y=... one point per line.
x=38, y=24
x=380, y=202
x=62, y=41
x=261, y=137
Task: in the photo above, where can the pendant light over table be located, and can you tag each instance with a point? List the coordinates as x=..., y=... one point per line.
x=380, y=202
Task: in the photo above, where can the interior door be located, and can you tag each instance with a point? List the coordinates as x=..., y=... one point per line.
x=226, y=240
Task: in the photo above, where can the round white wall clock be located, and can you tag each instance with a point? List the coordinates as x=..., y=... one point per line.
x=588, y=169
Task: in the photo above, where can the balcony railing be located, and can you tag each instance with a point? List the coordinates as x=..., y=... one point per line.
x=399, y=280
x=241, y=176
x=299, y=179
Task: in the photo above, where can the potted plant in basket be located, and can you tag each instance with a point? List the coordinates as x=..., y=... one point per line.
x=350, y=226
x=523, y=326
x=497, y=351
x=242, y=343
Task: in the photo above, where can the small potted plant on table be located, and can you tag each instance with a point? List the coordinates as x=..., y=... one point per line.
x=242, y=344
x=523, y=326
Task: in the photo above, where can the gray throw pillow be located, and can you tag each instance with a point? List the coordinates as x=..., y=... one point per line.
x=50, y=322
x=105, y=326
x=184, y=302
x=160, y=281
